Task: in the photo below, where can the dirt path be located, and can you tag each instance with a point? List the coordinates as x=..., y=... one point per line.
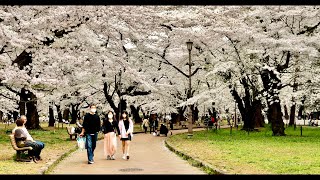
x=148, y=155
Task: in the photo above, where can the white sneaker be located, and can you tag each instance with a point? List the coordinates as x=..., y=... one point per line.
x=112, y=157
x=124, y=157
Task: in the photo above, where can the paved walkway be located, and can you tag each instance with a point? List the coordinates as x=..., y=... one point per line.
x=148, y=155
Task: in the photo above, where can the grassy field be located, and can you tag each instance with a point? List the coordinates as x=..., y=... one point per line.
x=57, y=143
x=237, y=152
x=232, y=152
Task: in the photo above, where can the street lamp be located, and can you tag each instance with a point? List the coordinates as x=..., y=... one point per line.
x=235, y=114
x=120, y=90
x=189, y=46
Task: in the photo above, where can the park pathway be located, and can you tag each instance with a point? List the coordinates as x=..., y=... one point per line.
x=148, y=155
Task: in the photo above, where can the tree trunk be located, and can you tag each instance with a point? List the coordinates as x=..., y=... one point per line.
x=286, y=114
x=23, y=100
x=300, y=112
x=181, y=116
x=301, y=108
x=248, y=122
x=135, y=114
x=51, y=117
x=250, y=110
x=9, y=116
x=292, y=114
x=66, y=113
x=122, y=106
x=177, y=117
x=15, y=115
x=275, y=117
x=32, y=113
x=59, y=113
x=74, y=114
x=195, y=114
x=257, y=118
x=272, y=85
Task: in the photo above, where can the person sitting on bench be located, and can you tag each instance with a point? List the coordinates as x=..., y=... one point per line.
x=20, y=137
x=35, y=144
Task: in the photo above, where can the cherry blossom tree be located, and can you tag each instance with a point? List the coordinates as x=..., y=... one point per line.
x=135, y=56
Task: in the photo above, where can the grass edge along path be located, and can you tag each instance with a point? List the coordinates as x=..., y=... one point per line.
x=195, y=162
x=294, y=153
x=51, y=166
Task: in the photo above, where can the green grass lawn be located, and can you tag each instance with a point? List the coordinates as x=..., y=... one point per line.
x=237, y=152
x=57, y=143
x=232, y=152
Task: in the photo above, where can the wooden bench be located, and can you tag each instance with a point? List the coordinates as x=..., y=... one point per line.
x=19, y=151
x=71, y=134
x=183, y=124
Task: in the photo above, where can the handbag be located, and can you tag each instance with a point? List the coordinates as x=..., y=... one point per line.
x=81, y=141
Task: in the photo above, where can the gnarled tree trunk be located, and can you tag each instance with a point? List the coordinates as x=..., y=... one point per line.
x=275, y=117
x=32, y=113
x=66, y=113
x=135, y=114
x=51, y=117
x=292, y=114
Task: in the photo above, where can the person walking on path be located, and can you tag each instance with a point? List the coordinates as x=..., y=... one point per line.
x=151, y=124
x=90, y=128
x=110, y=129
x=145, y=124
x=126, y=131
x=156, y=123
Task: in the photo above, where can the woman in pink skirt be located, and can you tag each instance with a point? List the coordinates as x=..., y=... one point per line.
x=110, y=129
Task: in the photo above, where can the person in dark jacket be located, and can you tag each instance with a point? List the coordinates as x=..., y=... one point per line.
x=151, y=124
x=90, y=128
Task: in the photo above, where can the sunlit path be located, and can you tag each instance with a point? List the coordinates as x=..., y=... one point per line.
x=148, y=156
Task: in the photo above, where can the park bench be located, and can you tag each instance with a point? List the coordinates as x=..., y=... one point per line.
x=198, y=123
x=71, y=134
x=19, y=151
x=183, y=123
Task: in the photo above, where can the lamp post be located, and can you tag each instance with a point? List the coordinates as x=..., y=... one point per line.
x=235, y=114
x=120, y=90
x=190, y=133
x=235, y=109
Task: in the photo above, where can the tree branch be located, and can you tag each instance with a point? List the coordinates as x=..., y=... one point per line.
x=10, y=89
x=286, y=64
x=9, y=97
x=195, y=71
x=309, y=29
x=108, y=97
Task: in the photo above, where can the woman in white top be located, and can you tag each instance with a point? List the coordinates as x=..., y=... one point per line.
x=145, y=124
x=126, y=132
